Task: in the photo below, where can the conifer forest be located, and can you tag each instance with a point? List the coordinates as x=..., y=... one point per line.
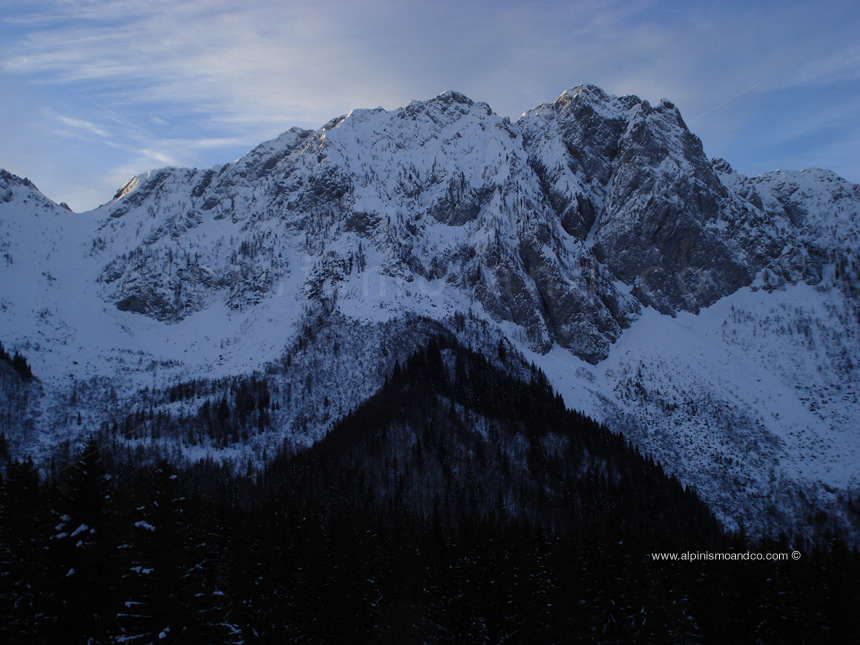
x=459, y=504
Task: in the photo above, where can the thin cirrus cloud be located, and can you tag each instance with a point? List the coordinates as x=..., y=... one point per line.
x=81, y=124
x=108, y=85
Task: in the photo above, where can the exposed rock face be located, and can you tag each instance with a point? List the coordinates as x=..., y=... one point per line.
x=800, y=226
x=12, y=185
x=632, y=181
x=564, y=223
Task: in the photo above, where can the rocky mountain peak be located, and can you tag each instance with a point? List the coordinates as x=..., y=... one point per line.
x=565, y=223
x=11, y=184
x=453, y=96
x=14, y=188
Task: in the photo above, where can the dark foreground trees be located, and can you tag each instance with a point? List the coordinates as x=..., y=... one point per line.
x=457, y=505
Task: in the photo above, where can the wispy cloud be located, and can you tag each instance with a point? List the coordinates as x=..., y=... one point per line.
x=81, y=124
x=191, y=79
x=259, y=63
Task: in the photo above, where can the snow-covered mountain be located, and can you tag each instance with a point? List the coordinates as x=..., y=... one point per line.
x=711, y=317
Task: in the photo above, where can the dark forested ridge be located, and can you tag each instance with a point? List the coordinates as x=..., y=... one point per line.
x=17, y=362
x=458, y=504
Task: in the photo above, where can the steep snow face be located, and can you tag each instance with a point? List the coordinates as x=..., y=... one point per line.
x=42, y=249
x=711, y=317
x=90, y=358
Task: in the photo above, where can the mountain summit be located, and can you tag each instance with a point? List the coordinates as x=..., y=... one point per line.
x=709, y=316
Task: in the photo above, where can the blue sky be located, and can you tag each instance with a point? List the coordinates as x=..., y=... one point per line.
x=95, y=91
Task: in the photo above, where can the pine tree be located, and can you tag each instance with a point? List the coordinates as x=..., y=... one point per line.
x=23, y=528
x=205, y=581
x=155, y=593
x=83, y=554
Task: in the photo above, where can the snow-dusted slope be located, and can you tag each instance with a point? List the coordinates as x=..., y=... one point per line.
x=710, y=316
x=758, y=392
